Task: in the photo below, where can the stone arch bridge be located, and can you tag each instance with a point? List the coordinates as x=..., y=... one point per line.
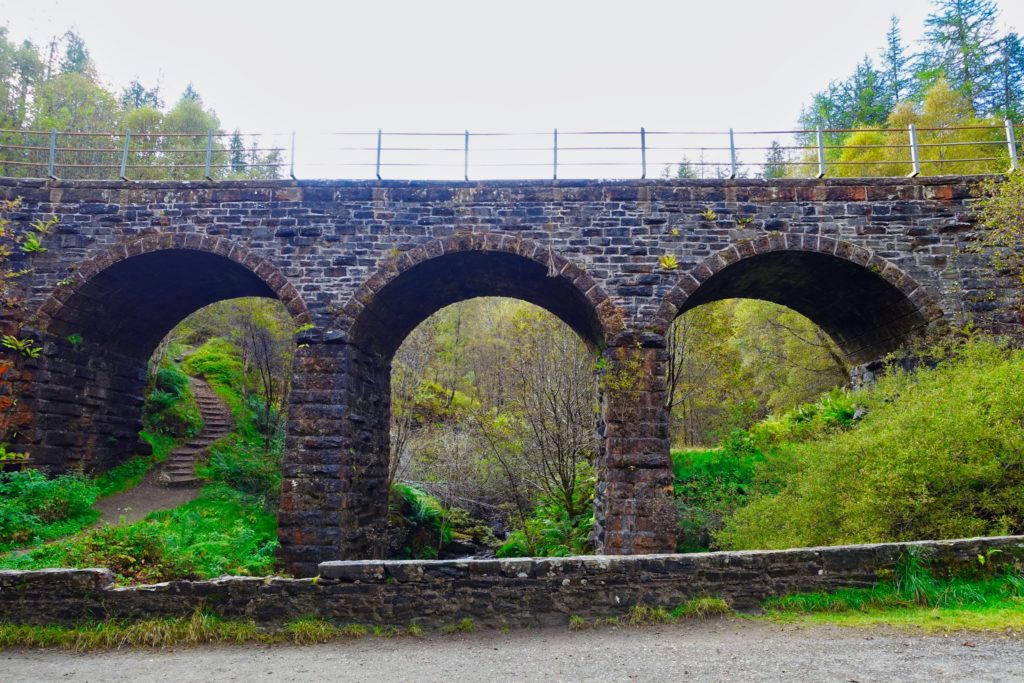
x=360, y=264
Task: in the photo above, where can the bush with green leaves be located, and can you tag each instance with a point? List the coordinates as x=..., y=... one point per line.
x=939, y=454
x=419, y=519
x=247, y=465
x=550, y=531
x=35, y=508
x=709, y=486
x=222, y=531
x=170, y=407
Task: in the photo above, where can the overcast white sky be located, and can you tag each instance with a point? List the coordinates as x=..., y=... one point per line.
x=315, y=67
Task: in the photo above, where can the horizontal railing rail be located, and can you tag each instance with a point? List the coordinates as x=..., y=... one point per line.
x=140, y=155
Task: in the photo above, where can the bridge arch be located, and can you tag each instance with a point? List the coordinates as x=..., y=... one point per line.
x=866, y=303
x=100, y=329
x=340, y=482
x=406, y=289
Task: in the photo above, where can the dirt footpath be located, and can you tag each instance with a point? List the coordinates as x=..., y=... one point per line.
x=718, y=650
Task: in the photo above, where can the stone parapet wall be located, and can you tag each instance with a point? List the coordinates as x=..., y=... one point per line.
x=516, y=592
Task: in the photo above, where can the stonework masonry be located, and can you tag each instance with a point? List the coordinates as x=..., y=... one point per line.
x=359, y=264
x=495, y=593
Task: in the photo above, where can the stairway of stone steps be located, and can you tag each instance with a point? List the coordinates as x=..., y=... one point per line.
x=179, y=468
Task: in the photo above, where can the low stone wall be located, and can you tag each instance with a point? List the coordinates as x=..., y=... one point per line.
x=518, y=592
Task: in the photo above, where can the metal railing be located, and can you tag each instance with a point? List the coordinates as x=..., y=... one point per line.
x=552, y=154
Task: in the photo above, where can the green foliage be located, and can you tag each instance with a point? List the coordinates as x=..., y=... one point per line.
x=701, y=608
x=423, y=522
x=831, y=414
x=550, y=531
x=939, y=454
x=170, y=407
x=465, y=625
x=220, y=532
x=668, y=262
x=709, y=486
x=913, y=587
x=219, y=363
x=34, y=508
x=131, y=472
x=246, y=465
x=733, y=362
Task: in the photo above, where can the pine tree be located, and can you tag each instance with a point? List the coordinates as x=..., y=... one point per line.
x=76, y=59
x=864, y=97
x=895, y=62
x=774, y=162
x=190, y=94
x=1008, y=100
x=237, y=153
x=137, y=95
x=961, y=40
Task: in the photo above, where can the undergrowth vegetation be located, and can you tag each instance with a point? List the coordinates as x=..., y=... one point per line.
x=34, y=508
x=938, y=454
x=229, y=528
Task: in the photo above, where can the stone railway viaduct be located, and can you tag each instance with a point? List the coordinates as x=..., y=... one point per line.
x=361, y=264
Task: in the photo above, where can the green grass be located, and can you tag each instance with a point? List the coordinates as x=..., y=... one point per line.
x=130, y=473
x=199, y=628
x=35, y=509
x=914, y=599
x=464, y=625
x=221, y=532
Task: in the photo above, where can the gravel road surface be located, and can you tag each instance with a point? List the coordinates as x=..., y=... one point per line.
x=717, y=650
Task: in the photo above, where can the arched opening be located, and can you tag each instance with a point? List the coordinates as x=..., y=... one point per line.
x=397, y=306
x=733, y=362
x=761, y=346
x=101, y=331
x=494, y=432
x=388, y=315
x=866, y=313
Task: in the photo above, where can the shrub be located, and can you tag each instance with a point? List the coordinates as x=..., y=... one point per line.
x=551, y=531
x=245, y=465
x=709, y=486
x=940, y=454
x=419, y=520
x=34, y=507
x=170, y=406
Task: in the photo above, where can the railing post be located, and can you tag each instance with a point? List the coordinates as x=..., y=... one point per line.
x=124, y=155
x=51, y=165
x=465, y=159
x=915, y=160
x=821, y=153
x=379, y=135
x=291, y=160
x=1011, y=141
x=209, y=154
x=732, y=155
x=555, y=173
x=643, y=152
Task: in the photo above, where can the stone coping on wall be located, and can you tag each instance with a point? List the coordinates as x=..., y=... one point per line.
x=923, y=181
x=518, y=592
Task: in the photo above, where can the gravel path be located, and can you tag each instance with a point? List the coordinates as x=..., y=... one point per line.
x=137, y=502
x=717, y=650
